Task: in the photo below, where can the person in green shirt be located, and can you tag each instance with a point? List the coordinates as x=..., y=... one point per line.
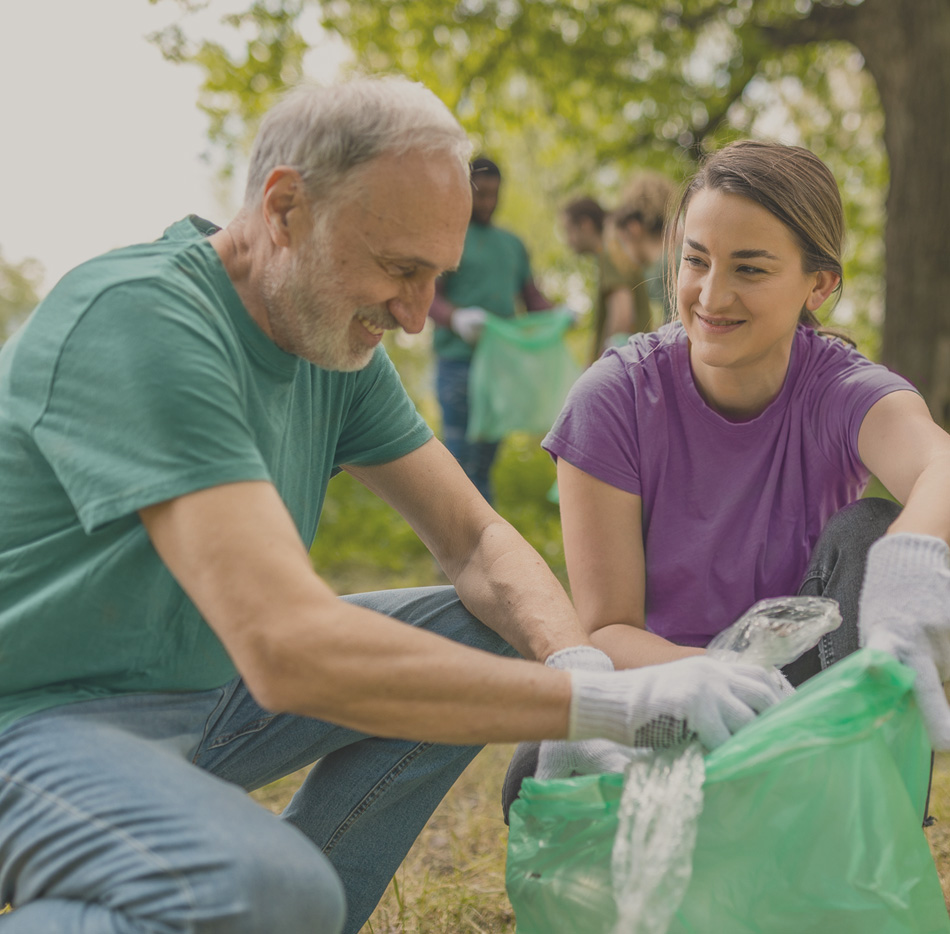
x=493, y=278
x=170, y=417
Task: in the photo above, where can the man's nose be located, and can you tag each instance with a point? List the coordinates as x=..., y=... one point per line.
x=411, y=306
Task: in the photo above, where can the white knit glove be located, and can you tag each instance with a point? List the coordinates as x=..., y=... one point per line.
x=655, y=706
x=905, y=610
x=562, y=758
x=468, y=323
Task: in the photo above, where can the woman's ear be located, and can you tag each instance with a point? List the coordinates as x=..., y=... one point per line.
x=825, y=283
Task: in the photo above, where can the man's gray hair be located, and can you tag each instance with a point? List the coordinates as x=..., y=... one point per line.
x=325, y=133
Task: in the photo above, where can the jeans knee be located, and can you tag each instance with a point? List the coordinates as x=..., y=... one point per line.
x=860, y=524
x=296, y=891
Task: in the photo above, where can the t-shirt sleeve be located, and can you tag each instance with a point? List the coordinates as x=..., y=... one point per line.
x=158, y=405
x=597, y=428
x=842, y=396
x=382, y=422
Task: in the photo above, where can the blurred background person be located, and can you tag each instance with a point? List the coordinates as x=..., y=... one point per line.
x=493, y=278
x=621, y=302
x=634, y=239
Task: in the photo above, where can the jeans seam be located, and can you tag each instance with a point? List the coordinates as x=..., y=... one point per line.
x=375, y=793
x=254, y=726
x=211, y=719
x=109, y=828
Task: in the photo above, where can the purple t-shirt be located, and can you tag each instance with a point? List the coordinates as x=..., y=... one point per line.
x=731, y=510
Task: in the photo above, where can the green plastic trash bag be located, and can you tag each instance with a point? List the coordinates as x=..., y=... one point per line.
x=810, y=822
x=520, y=375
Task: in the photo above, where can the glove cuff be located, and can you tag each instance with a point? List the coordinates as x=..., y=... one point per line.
x=581, y=658
x=595, y=711
x=905, y=551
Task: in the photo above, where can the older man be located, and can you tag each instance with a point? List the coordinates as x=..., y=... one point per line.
x=170, y=417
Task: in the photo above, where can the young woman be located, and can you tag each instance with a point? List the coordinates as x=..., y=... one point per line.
x=721, y=459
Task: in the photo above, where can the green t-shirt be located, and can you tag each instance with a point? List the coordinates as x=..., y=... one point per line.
x=141, y=377
x=493, y=271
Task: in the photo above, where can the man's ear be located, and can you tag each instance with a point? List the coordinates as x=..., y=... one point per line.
x=282, y=205
x=825, y=283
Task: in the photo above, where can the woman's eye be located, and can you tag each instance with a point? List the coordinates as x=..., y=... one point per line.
x=751, y=270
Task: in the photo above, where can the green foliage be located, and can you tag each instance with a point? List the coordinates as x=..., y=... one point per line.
x=268, y=59
x=19, y=285
x=574, y=95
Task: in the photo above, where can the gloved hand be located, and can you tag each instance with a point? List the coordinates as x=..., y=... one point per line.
x=663, y=705
x=468, y=323
x=657, y=706
x=905, y=610
x=563, y=758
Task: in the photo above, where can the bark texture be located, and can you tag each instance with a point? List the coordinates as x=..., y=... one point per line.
x=906, y=46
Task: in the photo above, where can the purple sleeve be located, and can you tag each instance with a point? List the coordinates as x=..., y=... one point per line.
x=848, y=385
x=597, y=428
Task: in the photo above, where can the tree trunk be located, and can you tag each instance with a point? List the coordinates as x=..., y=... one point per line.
x=906, y=46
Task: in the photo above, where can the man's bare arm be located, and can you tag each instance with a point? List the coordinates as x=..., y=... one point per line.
x=500, y=578
x=237, y=554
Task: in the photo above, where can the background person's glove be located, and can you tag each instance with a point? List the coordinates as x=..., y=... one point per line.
x=905, y=610
x=468, y=323
x=655, y=707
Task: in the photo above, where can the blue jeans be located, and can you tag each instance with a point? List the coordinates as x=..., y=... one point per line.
x=476, y=457
x=129, y=815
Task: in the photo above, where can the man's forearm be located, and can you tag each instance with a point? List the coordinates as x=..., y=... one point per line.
x=399, y=681
x=508, y=586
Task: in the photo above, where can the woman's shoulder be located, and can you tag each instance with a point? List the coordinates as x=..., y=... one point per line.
x=829, y=358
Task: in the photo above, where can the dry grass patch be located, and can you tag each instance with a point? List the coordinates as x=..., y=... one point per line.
x=939, y=834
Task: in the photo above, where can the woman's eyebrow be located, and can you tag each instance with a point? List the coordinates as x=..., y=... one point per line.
x=736, y=254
